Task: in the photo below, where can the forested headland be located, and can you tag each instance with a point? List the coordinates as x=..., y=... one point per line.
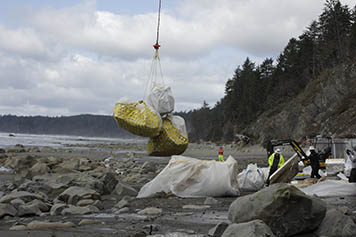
x=309, y=90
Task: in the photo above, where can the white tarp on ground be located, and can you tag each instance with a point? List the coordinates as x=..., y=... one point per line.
x=190, y=177
x=252, y=178
x=331, y=188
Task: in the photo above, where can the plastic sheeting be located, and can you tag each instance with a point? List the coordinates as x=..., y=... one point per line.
x=190, y=177
x=161, y=99
x=252, y=178
x=331, y=188
x=138, y=118
x=173, y=139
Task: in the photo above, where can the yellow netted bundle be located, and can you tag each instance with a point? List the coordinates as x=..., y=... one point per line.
x=138, y=118
x=171, y=141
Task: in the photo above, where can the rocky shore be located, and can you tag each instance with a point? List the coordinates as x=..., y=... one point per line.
x=91, y=191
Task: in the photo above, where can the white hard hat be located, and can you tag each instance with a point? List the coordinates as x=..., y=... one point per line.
x=278, y=150
x=311, y=148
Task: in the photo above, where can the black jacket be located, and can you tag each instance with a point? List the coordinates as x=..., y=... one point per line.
x=314, y=159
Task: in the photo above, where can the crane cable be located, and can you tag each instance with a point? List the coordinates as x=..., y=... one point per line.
x=156, y=69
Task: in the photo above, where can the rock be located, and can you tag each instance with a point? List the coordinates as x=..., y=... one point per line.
x=39, y=169
x=218, y=230
x=23, y=195
x=196, y=207
x=7, y=210
x=28, y=210
x=2, y=194
x=57, y=209
x=336, y=223
x=18, y=227
x=122, y=210
x=148, y=167
x=17, y=202
x=125, y=190
x=35, y=225
x=34, y=149
x=46, y=184
x=85, y=202
x=40, y=205
x=68, y=165
x=109, y=180
x=20, y=163
x=98, y=204
x=150, y=211
x=211, y=201
x=283, y=207
x=73, y=210
x=255, y=228
x=122, y=203
x=89, y=222
x=74, y=194
x=53, y=161
x=18, y=148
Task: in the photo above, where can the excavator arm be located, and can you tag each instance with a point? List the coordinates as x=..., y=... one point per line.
x=289, y=142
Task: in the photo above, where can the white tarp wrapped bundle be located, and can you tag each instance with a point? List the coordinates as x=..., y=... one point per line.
x=334, y=166
x=190, y=177
x=252, y=178
x=331, y=188
x=161, y=99
x=347, y=167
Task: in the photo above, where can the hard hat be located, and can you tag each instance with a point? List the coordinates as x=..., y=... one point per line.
x=278, y=150
x=311, y=148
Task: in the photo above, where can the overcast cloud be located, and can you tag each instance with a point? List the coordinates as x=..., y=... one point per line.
x=76, y=59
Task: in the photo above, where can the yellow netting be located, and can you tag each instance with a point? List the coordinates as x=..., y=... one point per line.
x=169, y=142
x=138, y=119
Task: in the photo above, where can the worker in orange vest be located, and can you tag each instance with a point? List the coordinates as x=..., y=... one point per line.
x=221, y=154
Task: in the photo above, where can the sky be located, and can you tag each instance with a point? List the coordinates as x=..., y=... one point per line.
x=69, y=57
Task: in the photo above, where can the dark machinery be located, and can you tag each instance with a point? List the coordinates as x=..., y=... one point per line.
x=296, y=147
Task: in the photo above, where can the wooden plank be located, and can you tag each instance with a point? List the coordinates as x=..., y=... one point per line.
x=286, y=172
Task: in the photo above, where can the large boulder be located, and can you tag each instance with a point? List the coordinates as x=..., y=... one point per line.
x=283, y=207
x=255, y=228
x=336, y=223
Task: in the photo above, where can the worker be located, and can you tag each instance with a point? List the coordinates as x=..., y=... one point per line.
x=221, y=154
x=275, y=161
x=314, y=163
x=351, y=155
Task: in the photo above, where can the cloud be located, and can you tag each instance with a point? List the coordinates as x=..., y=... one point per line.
x=72, y=60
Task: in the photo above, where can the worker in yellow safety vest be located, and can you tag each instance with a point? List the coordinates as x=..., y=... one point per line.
x=275, y=161
x=221, y=154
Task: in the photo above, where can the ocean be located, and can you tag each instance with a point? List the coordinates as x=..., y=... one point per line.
x=56, y=141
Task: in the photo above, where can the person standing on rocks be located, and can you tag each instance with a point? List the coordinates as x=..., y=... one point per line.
x=352, y=157
x=275, y=161
x=221, y=154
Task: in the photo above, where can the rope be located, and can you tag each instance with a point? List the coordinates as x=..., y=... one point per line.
x=156, y=69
